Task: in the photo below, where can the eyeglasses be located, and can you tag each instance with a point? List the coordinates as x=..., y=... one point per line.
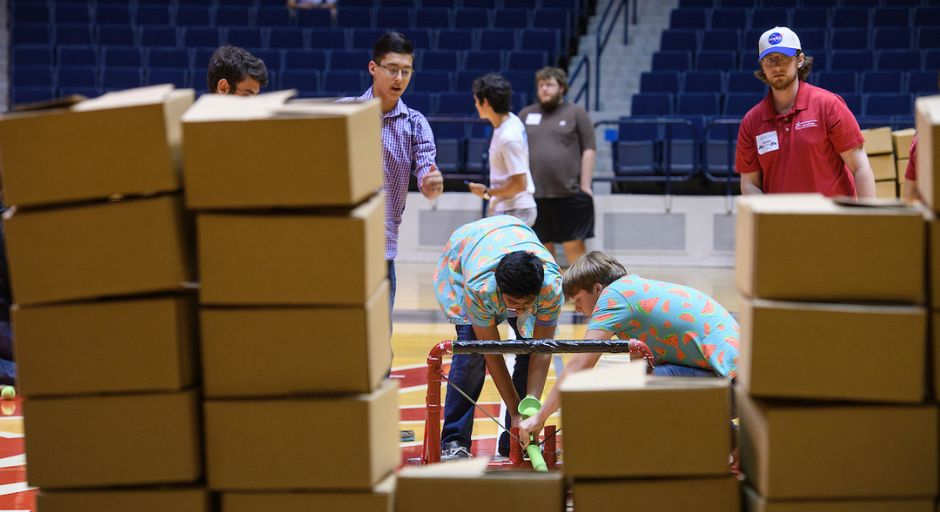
x=393, y=72
x=781, y=60
x=245, y=92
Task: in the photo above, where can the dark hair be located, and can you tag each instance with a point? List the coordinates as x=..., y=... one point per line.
x=235, y=64
x=801, y=72
x=520, y=274
x=391, y=42
x=496, y=90
x=549, y=72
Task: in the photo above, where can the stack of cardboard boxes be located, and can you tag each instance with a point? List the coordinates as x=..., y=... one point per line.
x=294, y=315
x=880, y=150
x=652, y=444
x=99, y=250
x=831, y=384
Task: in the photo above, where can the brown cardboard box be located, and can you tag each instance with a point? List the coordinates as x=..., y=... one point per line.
x=935, y=347
x=883, y=167
x=928, y=148
x=886, y=189
x=120, y=143
x=291, y=259
x=807, y=247
x=106, y=347
x=803, y=451
x=182, y=499
x=781, y=355
x=381, y=498
x=425, y=488
x=300, y=154
x=113, y=440
x=754, y=502
x=878, y=141
x=720, y=494
x=324, y=443
x=610, y=418
x=933, y=260
x=305, y=350
x=902, y=142
x=98, y=250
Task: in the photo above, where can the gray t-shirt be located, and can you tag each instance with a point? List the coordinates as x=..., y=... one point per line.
x=556, y=141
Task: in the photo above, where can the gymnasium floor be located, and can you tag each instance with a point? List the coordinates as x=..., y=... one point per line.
x=418, y=326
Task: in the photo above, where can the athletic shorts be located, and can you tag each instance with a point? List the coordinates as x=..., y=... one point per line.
x=563, y=219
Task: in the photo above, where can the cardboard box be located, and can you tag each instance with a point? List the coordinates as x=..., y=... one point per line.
x=106, y=347
x=883, y=167
x=124, y=142
x=902, y=141
x=300, y=154
x=935, y=349
x=721, y=494
x=99, y=250
x=928, y=148
x=425, y=488
x=292, y=259
x=180, y=499
x=781, y=352
x=610, y=416
x=323, y=443
x=381, y=498
x=805, y=247
x=113, y=440
x=754, y=502
x=305, y=350
x=886, y=189
x=933, y=260
x=878, y=141
x=804, y=451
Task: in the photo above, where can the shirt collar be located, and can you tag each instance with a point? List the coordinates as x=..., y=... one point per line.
x=399, y=110
x=801, y=103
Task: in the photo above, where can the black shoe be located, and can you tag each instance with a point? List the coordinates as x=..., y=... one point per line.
x=503, y=445
x=453, y=450
x=407, y=435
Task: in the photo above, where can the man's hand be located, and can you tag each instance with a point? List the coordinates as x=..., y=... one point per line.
x=432, y=184
x=478, y=189
x=528, y=427
x=588, y=191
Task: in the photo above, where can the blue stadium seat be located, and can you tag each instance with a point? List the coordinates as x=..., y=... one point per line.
x=397, y=17
x=559, y=19
x=522, y=81
x=728, y=18
x=899, y=60
x=652, y=104
x=77, y=76
x=881, y=82
x=680, y=141
x=456, y=39
x=480, y=4
x=637, y=149
x=744, y=82
x=497, y=39
x=168, y=58
x=672, y=61
x=307, y=79
x=487, y=61
x=431, y=81
x=420, y=101
x=456, y=104
x=121, y=57
x=72, y=90
x=541, y=39
x=273, y=16
x=511, y=18
x=77, y=56
x=433, y=60
x=121, y=78
x=30, y=13
x=32, y=76
x=926, y=16
x=849, y=39
x=80, y=34
x=851, y=60
x=419, y=37
x=812, y=40
x=765, y=18
x=678, y=39
x=471, y=18
x=113, y=14
x=153, y=15
x=244, y=37
x=703, y=82
x=849, y=17
x=72, y=13
x=659, y=81
x=738, y=4
x=314, y=18
x=232, y=17
x=688, y=18
x=34, y=34
x=159, y=36
x=839, y=82
x=922, y=83
x=891, y=17
x=433, y=18
x=326, y=39
x=721, y=39
x=699, y=104
x=928, y=37
x=808, y=17
x=32, y=55
x=349, y=59
x=281, y=37
x=465, y=79
x=354, y=17
x=20, y=95
x=527, y=60
x=193, y=16
x=116, y=35
x=696, y=3
x=739, y=104
x=889, y=105
x=570, y=5
x=719, y=151
x=273, y=59
x=450, y=150
x=307, y=59
x=365, y=38
x=200, y=60
x=892, y=39
x=715, y=61
x=931, y=59
x=854, y=102
x=201, y=37
x=177, y=77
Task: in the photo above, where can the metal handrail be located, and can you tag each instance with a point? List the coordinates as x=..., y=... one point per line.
x=586, y=86
x=601, y=42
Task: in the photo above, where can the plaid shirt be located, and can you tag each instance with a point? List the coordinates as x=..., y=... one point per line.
x=407, y=146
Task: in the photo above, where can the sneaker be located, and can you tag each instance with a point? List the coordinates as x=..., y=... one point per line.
x=453, y=450
x=407, y=435
x=503, y=445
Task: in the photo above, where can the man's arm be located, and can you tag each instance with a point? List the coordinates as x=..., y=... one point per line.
x=539, y=363
x=751, y=182
x=423, y=154
x=588, y=156
x=909, y=192
x=858, y=164
x=577, y=363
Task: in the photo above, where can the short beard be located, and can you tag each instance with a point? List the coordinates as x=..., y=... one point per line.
x=552, y=103
x=785, y=86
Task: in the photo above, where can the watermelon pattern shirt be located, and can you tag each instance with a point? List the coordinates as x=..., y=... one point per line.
x=681, y=325
x=465, y=279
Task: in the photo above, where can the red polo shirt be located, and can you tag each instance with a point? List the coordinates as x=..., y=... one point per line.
x=799, y=151
x=911, y=172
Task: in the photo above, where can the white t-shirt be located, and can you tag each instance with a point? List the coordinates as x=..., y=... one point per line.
x=509, y=156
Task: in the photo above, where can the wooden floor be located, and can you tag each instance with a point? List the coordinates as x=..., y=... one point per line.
x=419, y=325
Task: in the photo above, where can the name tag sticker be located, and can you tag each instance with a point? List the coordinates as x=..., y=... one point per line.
x=767, y=142
x=533, y=119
